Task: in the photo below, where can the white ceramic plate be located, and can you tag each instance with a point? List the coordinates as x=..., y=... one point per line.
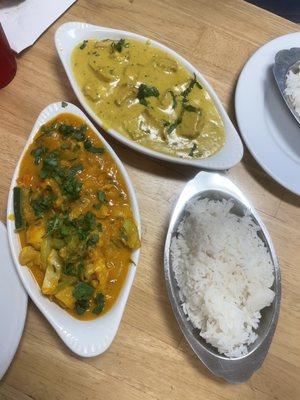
x=270, y=131
x=70, y=34
x=86, y=338
x=13, y=305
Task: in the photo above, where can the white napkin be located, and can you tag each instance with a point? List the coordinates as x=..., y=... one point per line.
x=24, y=21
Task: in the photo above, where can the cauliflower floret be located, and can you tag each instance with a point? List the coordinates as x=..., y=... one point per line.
x=53, y=273
x=35, y=234
x=29, y=255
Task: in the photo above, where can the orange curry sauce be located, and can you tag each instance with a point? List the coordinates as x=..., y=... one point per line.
x=113, y=234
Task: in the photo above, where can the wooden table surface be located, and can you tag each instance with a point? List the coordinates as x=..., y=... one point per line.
x=149, y=358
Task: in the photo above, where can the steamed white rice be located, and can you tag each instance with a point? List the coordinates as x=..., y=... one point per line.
x=224, y=273
x=293, y=89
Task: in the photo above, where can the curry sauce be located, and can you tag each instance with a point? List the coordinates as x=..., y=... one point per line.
x=146, y=95
x=74, y=218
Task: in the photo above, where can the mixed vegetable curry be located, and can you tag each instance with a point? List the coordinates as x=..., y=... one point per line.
x=73, y=214
x=145, y=94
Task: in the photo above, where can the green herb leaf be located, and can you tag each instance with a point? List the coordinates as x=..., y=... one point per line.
x=118, y=46
x=73, y=269
x=101, y=196
x=92, y=149
x=65, y=230
x=189, y=108
x=69, y=269
x=70, y=186
x=146, y=91
x=93, y=239
x=143, y=101
x=83, y=44
x=100, y=301
x=76, y=168
x=84, y=225
x=193, y=82
x=38, y=153
x=50, y=164
x=64, y=104
x=48, y=129
x=174, y=100
x=81, y=306
x=83, y=291
x=174, y=125
x=65, y=177
x=77, y=133
x=53, y=225
x=42, y=203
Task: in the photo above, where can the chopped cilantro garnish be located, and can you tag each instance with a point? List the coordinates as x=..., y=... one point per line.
x=65, y=177
x=145, y=91
x=48, y=129
x=91, y=148
x=38, y=153
x=83, y=291
x=77, y=133
x=83, y=44
x=101, y=196
x=100, y=301
x=76, y=168
x=42, y=203
x=53, y=225
x=119, y=45
x=93, y=239
x=81, y=306
x=71, y=187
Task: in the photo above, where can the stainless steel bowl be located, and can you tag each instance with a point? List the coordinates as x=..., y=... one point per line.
x=285, y=61
x=234, y=370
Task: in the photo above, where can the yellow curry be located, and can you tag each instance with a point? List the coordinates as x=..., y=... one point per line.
x=148, y=96
x=73, y=214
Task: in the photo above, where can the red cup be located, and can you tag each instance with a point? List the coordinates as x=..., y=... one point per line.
x=8, y=65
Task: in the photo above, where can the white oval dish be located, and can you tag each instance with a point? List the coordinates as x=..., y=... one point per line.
x=85, y=338
x=70, y=34
x=13, y=305
x=269, y=130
